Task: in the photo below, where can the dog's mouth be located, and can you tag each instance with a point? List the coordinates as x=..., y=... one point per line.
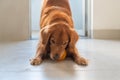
x=58, y=57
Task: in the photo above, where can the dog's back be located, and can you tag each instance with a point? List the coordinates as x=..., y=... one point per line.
x=59, y=3
x=54, y=11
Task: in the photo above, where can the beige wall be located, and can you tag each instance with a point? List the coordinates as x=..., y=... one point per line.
x=106, y=19
x=14, y=19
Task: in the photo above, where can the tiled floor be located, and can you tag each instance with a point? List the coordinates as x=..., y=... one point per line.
x=103, y=56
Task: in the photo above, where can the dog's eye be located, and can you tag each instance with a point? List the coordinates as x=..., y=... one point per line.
x=64, y=43
x=52, y=41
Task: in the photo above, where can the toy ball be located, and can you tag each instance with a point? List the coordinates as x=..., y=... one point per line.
x=63, y=56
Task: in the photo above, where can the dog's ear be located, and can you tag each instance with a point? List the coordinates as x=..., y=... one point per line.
x=45, y=34
x=73, y=37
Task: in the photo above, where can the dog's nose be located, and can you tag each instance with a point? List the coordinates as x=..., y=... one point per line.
x=56, y=56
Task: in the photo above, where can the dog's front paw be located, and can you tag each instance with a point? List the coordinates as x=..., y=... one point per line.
x=35, y=61
x=81, y=61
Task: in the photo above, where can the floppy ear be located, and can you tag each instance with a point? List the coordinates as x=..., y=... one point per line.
x=45, y=35
x=73, y=36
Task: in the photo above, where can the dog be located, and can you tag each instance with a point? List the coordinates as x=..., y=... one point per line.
x=57, y=33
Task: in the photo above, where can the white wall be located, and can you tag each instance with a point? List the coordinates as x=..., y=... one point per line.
x=14, y=20
x=106, y=14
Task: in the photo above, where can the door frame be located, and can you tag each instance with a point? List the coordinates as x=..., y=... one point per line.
x=89, y=19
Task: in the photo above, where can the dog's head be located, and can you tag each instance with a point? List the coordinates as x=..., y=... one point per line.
x=59, y=37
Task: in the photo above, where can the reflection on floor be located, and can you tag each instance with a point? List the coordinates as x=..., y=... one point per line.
x=103, y=56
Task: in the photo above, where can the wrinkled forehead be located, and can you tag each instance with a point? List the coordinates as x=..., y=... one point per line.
x=60, y=35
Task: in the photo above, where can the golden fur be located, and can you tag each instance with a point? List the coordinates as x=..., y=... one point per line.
x=57, y=33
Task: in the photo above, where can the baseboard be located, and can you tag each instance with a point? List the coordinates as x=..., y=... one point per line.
x=106, y=34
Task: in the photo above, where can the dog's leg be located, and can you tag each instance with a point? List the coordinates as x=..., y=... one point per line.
x=39, y=55
x=76, y=57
